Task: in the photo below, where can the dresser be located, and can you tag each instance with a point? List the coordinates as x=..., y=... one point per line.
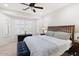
x=21, y=37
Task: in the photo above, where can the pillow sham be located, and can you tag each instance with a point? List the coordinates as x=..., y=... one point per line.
x=62, y=35
x=50, y=33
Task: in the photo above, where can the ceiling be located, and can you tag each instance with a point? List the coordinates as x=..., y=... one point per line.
x=48, y=8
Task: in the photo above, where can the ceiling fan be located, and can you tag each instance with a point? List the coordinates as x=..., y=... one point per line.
x=32, y=6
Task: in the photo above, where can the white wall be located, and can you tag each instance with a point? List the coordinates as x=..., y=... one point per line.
x=64, y=16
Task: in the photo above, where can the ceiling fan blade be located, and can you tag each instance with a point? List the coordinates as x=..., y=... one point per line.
x=34, y=10
x=26, y=8
x=38, y=7
x=24, y=4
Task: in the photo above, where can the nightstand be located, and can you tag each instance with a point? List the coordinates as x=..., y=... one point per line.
x=76, y=47
x=21, y=37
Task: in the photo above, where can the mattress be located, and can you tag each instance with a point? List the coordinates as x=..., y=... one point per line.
x=47, y=46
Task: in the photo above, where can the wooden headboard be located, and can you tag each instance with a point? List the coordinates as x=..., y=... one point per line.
x=66, y=28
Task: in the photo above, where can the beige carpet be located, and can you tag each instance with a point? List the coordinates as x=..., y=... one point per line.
x=9, y=49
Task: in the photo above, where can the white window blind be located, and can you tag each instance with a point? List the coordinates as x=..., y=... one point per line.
x=3, y=28
x=23, y=26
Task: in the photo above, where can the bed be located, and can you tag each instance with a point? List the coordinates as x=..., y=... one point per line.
x=43, y=45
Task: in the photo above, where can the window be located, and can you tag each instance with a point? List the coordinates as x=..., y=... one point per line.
x=4, y=28
x=24, y=26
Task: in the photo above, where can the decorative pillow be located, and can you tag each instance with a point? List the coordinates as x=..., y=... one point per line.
x=50, y=33
x=62, y=35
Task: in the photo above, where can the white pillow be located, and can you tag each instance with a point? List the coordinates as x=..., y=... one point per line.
x=62, y=35
x=50, y=33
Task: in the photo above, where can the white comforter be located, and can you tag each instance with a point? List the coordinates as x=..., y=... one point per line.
x=46, y=46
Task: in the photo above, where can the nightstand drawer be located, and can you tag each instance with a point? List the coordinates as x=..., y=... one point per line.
x=76, y=46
